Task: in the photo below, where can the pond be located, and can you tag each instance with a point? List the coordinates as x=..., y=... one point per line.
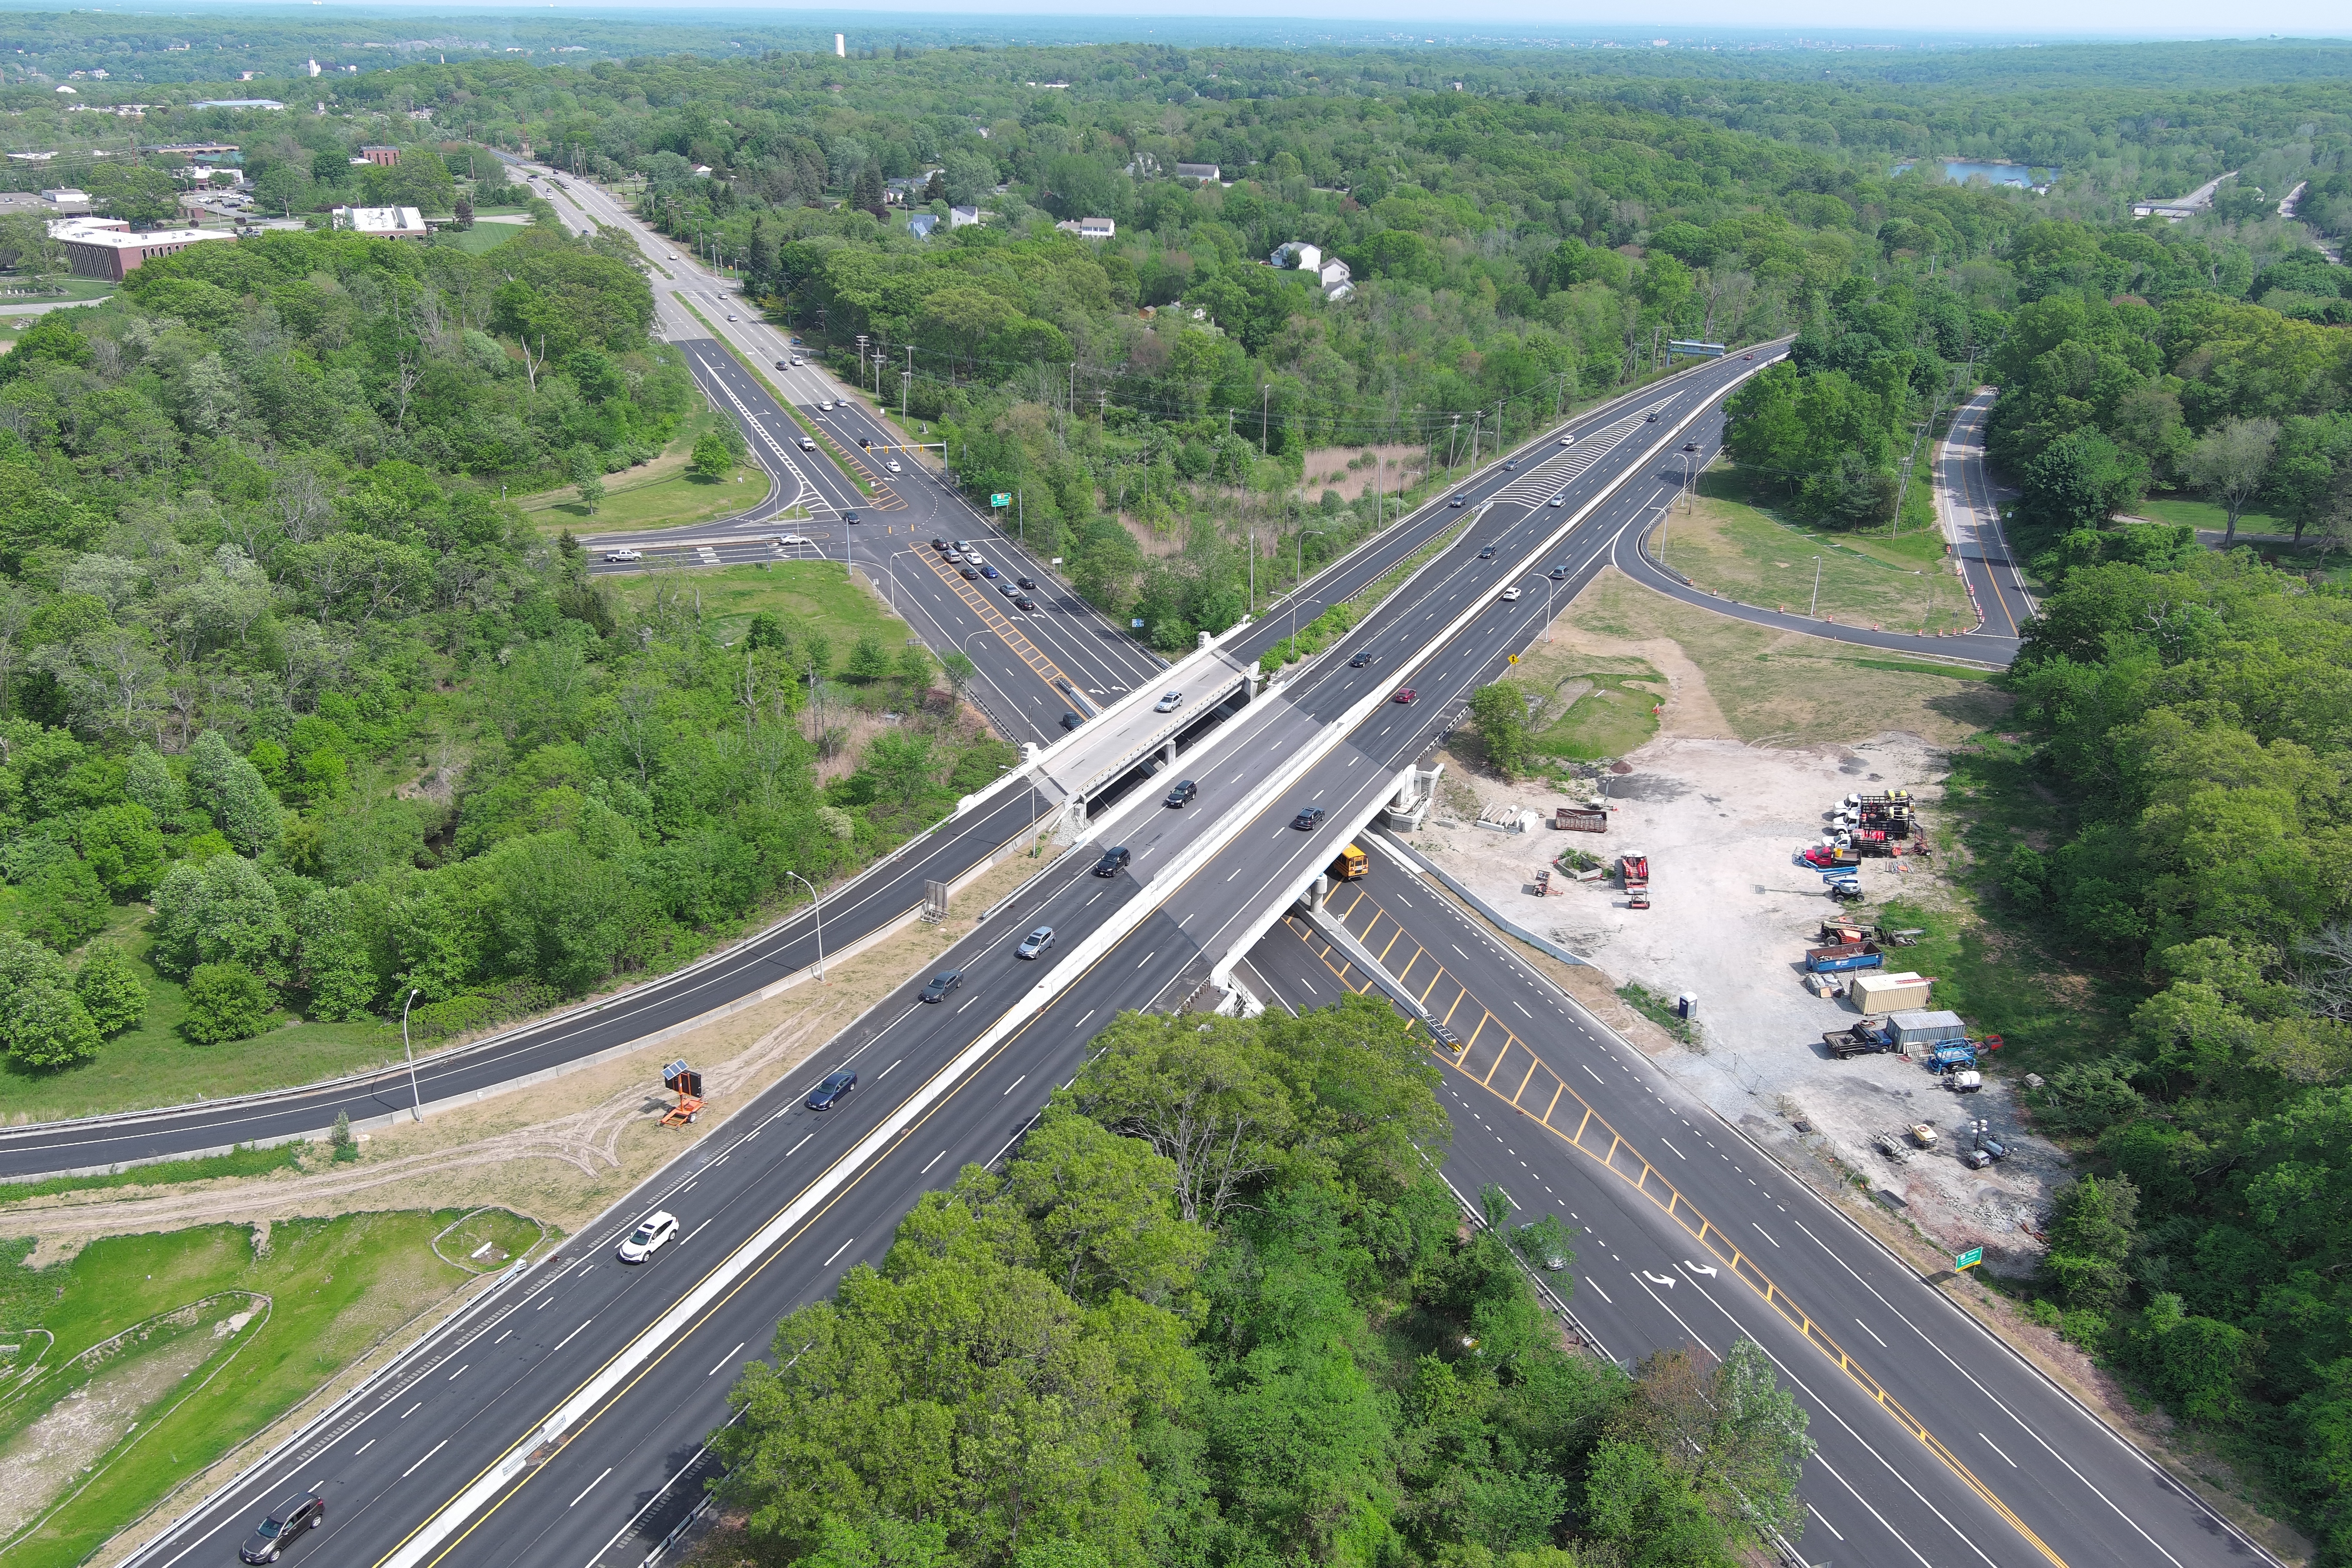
x=1959, y=169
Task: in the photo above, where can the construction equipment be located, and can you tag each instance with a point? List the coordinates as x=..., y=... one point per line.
x=1845, y=890
x=1893, y=1147
x=1923, y=1135
x=1633, y=872
x=1950, y=1055
x=1965, y=1082
x=1350, y=866
x=688, y=1084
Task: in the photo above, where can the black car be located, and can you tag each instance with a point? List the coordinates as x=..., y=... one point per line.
x=277, y=1528
x=1360, y=660
x=1690, y=446
x=849, y=517
x=945, y=980
x=1653, y=419
x=1024, y=603
x=1071, y=720
x=971, y=572
x=1114, y=860
x=1460, y=501
x=1308, y=819
x=1184, y=793
x=783, y=365
x=1488, y=553
x=939, y=544
x=831, y=1091
x=1029, y=582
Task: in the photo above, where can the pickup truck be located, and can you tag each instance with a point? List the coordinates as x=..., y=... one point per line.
x=1861, y=1039
x=1843, y=956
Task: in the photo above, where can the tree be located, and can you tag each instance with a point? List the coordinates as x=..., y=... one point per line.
x=1102, y=1208
x=227, y=1002
x=2231, y=463
x=868, y=659
x=123, y=847
x=141, y=196
x=710, y=459
x=2081, y=479
x=233, y=790
x=959, y=671
x=584, y=468
x=60, y=900
x=42, y=1023
x=2092, y=1223
x=110, y=990
x=1500, y=713
x=914, y=672
x=223, y=911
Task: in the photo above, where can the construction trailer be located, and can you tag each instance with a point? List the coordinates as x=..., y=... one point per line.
x=1897, y=993
x=686, y=1083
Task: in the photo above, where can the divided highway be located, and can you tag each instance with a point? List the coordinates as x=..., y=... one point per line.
x=567, y=1424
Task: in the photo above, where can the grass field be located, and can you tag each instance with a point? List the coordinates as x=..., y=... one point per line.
x=814, y=595
x=2204, y=514
x=1729, y=545
x=318, y=1292
x=485, y=236
x=83, y=290
x=1779, y=686
x=154, y=1065
x=658, y=495
x=1595, y=706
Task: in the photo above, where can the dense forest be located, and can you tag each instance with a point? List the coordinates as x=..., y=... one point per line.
x=277, y=659
x=1219, y=1308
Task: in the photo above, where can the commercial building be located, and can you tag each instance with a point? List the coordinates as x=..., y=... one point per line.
x=382, y=157
x=382, y=223
x=103, y=250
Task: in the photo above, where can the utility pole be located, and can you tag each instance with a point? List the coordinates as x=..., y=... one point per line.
x=1453, y=439
x=1815, y=609
x=861, y=360
x=1477, y=416
x=906, y=381
x=1265, y=394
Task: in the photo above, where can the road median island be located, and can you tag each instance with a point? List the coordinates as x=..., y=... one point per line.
x=839, y=454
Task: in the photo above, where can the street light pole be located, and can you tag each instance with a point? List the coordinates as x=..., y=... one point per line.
x=415, y=1100
x=1815, y=609
x=1298, y=581
x=818, y=904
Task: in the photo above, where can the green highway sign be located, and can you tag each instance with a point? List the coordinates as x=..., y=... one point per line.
x=1969, y=1259
x=999, y=498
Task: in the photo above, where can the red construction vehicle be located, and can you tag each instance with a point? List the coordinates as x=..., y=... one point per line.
x=688, y=1083
x=1633, y=871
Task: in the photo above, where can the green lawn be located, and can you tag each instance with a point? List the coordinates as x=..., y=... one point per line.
x=1596, y=707
x=1729, y=545
x=2204, y=514
x=154, y=1065
x=814, y=595
x=333, y=1288
x=658, y=495
x=483, y=236
x=83, y=289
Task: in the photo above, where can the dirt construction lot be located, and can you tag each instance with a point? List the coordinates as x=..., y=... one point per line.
x=1722, y=818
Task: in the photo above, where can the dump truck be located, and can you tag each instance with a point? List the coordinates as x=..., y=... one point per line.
x=1581, y=818
x=1842, y=957
x=1350, y=866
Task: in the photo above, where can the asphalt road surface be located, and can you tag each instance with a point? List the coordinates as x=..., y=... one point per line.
x=1971, y=512
x=1973, y=1456
x=773, y=1209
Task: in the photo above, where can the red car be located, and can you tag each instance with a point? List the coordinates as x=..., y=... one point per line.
x=1405, y=695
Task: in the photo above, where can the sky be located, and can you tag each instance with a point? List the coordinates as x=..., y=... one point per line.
x=1676, y=18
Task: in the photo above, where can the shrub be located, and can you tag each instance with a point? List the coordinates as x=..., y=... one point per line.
x=226, y=1002
x=111, y=991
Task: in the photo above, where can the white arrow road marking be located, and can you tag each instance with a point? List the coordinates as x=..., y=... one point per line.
x=1665, y=1280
